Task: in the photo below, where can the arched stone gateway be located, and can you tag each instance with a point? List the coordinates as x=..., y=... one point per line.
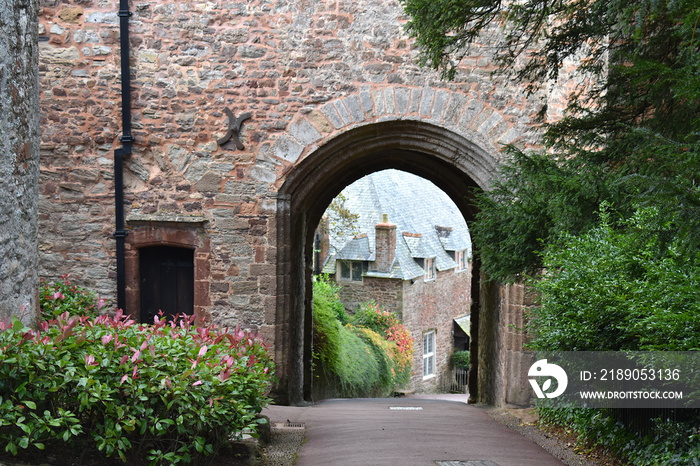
x=333, y=93
x=445, y=142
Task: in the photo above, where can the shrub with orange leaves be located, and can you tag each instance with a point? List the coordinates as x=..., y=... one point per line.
x=370, y=315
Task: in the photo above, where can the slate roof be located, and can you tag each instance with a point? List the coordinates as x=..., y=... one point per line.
x=418, y=248
x=357, y=249
x=432, y=223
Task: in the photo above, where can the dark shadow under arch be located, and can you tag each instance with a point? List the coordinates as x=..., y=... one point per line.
x=456, y=165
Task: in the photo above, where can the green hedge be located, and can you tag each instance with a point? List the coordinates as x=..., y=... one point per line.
x=355, y=359
x=167, y=392
x=618, y=287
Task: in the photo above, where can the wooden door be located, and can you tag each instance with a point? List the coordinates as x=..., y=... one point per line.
x=167, y=281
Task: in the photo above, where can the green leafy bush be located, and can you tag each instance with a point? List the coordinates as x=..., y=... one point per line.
x=617, y=289
x=327, y=327
x=356, y=359
x=371, y=316
x=666, y=443
x=358, y=370
x=460, y=360
x=382, y=352
x=65, y=295
x=388, y=326
x=167, y=392
x=341, y=357
x=326, y=292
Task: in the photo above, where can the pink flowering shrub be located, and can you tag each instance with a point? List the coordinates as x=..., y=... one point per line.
x=168, y=392
x=65, y=295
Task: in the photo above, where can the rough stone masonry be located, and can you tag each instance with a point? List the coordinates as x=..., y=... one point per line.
x=316, y=75
x=19, y=158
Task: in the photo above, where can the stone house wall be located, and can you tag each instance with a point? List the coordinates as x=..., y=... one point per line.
x=386, y=293
x=433, y=305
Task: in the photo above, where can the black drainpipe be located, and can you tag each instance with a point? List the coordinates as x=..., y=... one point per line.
x=126, y=139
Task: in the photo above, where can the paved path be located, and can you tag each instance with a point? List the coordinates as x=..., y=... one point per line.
x=407, y=432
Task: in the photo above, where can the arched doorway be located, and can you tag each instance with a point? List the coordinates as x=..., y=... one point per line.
x=455, y=164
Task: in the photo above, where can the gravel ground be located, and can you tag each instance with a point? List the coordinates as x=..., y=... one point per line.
x=284, y=445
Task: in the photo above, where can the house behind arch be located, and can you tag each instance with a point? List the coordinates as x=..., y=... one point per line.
x=409, y=251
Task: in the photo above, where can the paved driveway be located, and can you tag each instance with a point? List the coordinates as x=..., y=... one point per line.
x=407, y=432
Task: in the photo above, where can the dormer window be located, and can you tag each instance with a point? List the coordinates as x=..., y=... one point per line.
x=429, y=268
x=350, y=270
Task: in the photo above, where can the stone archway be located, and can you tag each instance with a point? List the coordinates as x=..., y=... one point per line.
x=454, y=163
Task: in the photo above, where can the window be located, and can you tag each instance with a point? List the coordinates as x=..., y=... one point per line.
x=461, y=260
x=429, y=354
x=351, y=270
x=429, y=268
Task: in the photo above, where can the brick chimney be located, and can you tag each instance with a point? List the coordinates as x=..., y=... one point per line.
x=385, y=245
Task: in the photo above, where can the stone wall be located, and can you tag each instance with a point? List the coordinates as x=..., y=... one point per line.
x=278, y=60
x=19, y=159
x=433, y=305
x=516, y=299
x=322, y=79
x=386, y=293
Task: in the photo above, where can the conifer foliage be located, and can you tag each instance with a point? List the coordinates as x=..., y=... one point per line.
x=629, y=136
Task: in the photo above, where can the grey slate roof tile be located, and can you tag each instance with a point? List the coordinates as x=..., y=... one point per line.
x=357, y=249
x=416, y=206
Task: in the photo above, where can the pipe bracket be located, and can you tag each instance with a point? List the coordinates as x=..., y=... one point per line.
x=234, y=129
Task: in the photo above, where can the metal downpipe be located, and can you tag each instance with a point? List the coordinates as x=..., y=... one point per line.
x=123, y=152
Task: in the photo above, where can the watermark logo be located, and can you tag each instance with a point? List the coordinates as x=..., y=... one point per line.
x=542, y=368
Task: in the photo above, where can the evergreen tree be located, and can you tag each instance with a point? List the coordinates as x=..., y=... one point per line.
x=629, y=136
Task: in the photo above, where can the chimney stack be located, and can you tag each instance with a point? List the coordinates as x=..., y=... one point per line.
x=385, y=245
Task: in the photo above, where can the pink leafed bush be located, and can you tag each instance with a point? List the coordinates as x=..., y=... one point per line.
x=166, y=392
